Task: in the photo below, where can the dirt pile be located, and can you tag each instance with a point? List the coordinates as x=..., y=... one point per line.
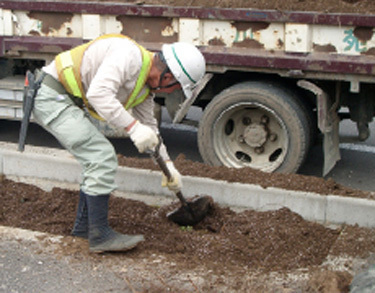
x=322, y=6
x=274, y=241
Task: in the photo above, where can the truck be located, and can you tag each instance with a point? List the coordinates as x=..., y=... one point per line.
x=275, y=79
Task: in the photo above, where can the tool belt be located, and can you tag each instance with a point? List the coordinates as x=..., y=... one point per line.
x=53, y=84
x=33, y=82
x=59, y=88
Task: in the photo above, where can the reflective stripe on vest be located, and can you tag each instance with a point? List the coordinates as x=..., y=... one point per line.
x=68, y=66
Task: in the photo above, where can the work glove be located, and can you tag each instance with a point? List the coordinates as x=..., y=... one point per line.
x=143, y=137
x=175, y=183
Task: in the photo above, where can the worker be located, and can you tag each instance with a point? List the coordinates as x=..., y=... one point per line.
x=114, y=79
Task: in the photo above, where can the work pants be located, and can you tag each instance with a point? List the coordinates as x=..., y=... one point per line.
x=69, y=124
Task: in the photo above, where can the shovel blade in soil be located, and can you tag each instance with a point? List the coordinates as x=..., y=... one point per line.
x=195, y=211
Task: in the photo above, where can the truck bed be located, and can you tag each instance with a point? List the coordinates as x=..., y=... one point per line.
x=322, y=6
x=291, y=43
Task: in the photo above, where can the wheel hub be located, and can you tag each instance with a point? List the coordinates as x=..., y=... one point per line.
x=255, y=135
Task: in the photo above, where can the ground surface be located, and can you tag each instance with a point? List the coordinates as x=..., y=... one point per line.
x=347, y=6
x=252, y=251
x=274, y=251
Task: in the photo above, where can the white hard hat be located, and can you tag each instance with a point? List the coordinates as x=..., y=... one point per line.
x=186, y=63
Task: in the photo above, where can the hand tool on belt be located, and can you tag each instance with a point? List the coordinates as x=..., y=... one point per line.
x=32, y=84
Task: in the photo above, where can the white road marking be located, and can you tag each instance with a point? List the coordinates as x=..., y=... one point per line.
x=358, y=147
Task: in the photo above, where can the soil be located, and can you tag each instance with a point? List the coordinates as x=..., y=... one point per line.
x=323, y=6
x=233, y=247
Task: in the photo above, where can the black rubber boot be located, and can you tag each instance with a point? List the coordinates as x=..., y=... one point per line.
x=101, y=236
x=81, y=224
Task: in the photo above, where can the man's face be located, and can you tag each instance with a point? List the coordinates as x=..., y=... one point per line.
x=168, y=84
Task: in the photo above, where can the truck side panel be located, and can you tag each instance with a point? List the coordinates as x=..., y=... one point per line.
x=249, y=45
x=288, y=37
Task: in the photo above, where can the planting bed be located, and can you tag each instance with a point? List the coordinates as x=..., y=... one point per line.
x=272, y=251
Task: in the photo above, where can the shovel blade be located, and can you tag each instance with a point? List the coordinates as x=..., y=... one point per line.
x=193, y=213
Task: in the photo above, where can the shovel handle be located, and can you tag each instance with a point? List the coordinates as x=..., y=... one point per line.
x=167, y=173
x=163, y=167
x=155, y=155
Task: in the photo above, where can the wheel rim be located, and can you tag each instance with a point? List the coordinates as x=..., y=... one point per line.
x=250, y=135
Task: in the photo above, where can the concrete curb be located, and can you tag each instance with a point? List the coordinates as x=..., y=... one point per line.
x=58, y=165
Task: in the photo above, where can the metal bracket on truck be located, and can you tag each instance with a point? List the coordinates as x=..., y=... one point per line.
x=185, y=106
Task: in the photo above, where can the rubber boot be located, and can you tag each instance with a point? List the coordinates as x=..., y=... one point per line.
x=101, y=237
x=81, y=224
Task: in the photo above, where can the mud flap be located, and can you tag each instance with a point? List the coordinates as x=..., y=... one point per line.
x=185, y=106
x=328, y=123
x=331, y=143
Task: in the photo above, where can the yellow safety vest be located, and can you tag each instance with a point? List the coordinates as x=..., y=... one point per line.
x=68, y=65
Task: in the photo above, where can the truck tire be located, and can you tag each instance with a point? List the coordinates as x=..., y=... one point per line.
x=255, y=124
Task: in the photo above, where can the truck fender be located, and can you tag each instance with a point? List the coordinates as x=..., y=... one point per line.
x=328, y=124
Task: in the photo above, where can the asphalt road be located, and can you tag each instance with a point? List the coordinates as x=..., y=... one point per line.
x=355, y=169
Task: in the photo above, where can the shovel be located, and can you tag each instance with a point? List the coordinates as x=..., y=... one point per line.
x=191, y=212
